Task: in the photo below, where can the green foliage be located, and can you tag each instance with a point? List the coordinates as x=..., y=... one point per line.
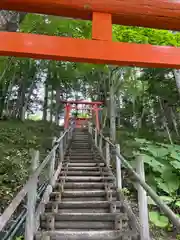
x=162, y=169
x=16, y=140
x=146, y=36
x=178, y=237
x=158, y=219
x=52, y=25
x=19, y=238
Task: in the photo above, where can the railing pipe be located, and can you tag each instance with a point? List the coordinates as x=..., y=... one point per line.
x=31, y=200
x=142, y=201
x=118, y=169
x=96, y=137
x=52, y=162
x=107, y=152
x=61, y=148
x=100, y=143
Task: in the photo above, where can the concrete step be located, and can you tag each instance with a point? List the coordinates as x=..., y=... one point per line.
x=84, y=185
x=80, y=196
x=86, y=164
x=87, y=179
x=82, y=207
x=84, y=160
x=104, y=217
x=85, y=199
x=87, y=235
x=80, y=210
x=92, y=195
x=96, y=168
x=81, y=155
x=90, y=225
x=86, y=193
x=82, y=204
x=85, y=173
x=81, y=146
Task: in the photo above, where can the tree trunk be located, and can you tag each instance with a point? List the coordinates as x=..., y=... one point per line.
x=45, y=105
x=51, y=105
x=112, y=115
x=16, y=104
x=9, y=21
x=22, y=109
x=2, y=102
x=177, y=78
x=165, y=122
x=173, y=117
x=57, y=105
x=105, y=119
x=8, y=96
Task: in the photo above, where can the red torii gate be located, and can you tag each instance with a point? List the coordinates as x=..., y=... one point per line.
x=101, y=49
x=68, y=107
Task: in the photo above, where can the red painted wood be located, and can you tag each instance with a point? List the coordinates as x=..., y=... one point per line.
x=67, y=116
x=92, y=51
x=102, y=26
x=81, y=102
x=163, y=14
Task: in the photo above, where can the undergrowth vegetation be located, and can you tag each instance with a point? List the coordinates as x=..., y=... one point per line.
x=16, y=140
x=162, y=167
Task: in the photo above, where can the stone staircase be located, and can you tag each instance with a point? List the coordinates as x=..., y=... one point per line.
x=84, y=203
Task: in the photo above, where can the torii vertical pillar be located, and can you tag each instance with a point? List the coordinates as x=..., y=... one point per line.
x=67, y=115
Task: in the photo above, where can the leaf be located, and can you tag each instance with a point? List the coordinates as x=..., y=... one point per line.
x=157, y=166
x=158, y=220
x=175, y=164
x=166, y=199
x=169, y=184
x=164, y=187
x=175, y=155
x=157, y=151
x=177, y=203
x=141, y=140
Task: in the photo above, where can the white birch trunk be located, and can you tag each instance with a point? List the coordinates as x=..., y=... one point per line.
x=177, y=78
x=112, y=115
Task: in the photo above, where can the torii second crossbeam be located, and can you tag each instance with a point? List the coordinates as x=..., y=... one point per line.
x=92, y=51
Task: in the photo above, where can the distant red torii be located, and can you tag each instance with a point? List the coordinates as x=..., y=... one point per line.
x=68, y=107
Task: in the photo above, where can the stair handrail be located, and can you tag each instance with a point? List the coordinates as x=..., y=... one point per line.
x=5, y=217
x=160, y=203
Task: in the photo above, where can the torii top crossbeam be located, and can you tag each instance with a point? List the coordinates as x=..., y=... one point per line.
x=82, y=102
x=163, y=14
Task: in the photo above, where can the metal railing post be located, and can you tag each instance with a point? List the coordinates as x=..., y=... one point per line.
x=142, y=201
x=95, y=137
x=118, y=168
x=64, y=141
x=100, y=142
x=69, y=134
x=61, y=148
x=107, y=153
x=90, y=128
x=31, y=200
x=52, y=162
